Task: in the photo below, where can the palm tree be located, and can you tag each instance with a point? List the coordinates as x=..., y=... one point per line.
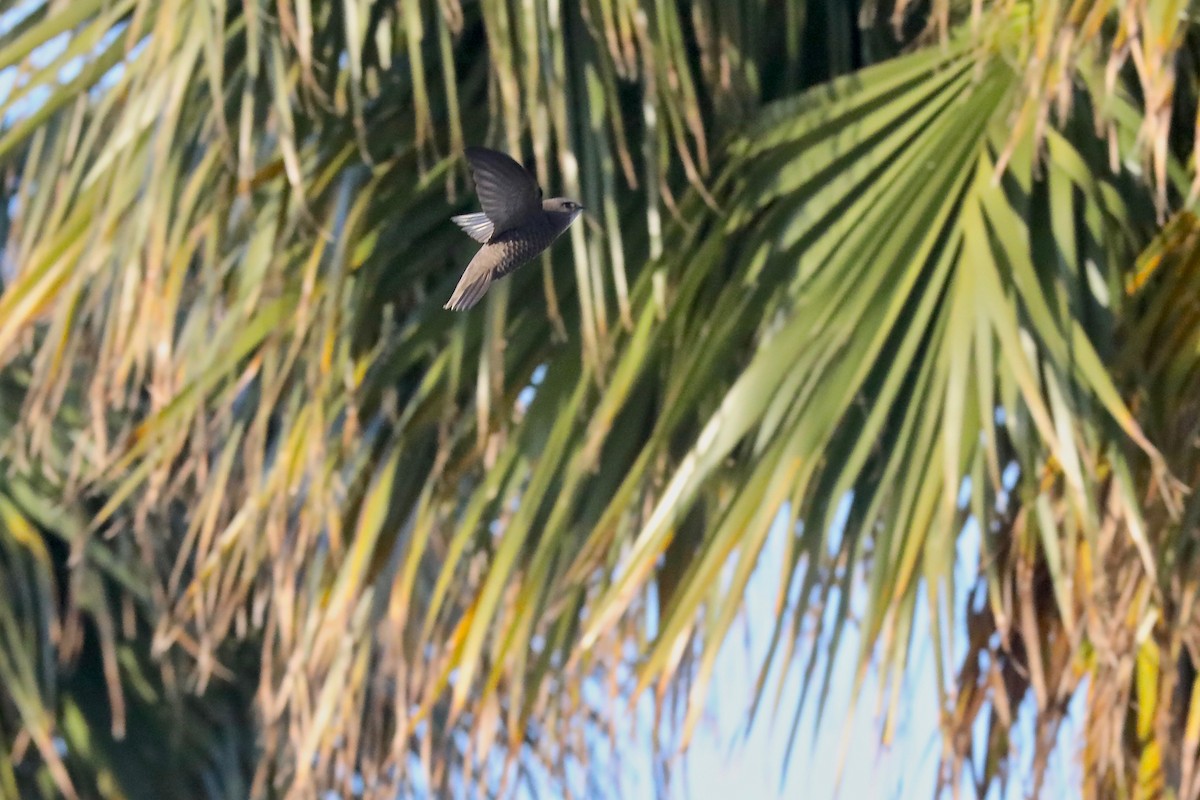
x=273, y=523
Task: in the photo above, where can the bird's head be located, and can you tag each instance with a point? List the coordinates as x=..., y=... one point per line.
x=562, y=210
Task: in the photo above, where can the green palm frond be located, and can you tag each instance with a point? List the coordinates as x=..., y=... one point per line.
x=897, y=302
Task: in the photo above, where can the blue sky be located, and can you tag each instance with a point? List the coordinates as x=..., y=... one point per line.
x=722, y=765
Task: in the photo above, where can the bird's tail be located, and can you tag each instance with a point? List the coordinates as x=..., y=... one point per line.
x=471, y=287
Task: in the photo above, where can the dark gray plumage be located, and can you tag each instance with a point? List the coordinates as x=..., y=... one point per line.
x=516, y=224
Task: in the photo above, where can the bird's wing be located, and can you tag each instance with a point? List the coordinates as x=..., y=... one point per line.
x=507, y=191
x=477, y=226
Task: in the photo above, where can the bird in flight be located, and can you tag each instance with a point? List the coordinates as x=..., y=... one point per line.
x=516, y=224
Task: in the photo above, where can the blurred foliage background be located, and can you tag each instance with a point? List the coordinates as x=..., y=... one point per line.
x=273, y=523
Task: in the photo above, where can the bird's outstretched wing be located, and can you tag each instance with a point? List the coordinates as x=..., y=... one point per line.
x=477, y=226
x=508, y=192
